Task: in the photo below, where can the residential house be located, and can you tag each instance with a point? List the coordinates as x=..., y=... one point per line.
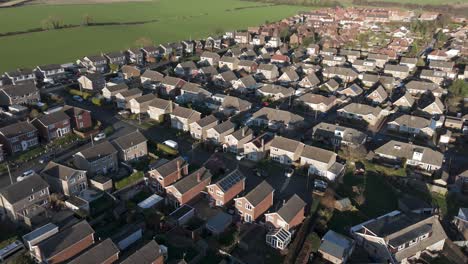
x=253, y=205
x=20, y=75
x=321, y=162
x=461, y=222
x=101, y=158
x=227, y=188
x=225, y=79
x=129, y=72
x=186, y=69
x=331, y=85
x=415, y=125
x=115, y=58
x=50, y=73
x=336, y=135
x=189, y=187
x=362, y=112
x=65, y=180
x=370, y=79
x=207, y=73
x=258, y=148
x=106, y=252
x=53, y=125
x=191, y=92
x=235, y=141
x=351, y=55
x=352, y=90
x=317, y=102
x=454, y=123
x=438, y=55
x=445, y=66
x=336, y=248
x=64, y=245
x=276, y=119
x=434, y=76
x=170, y=86
x=285, y=150
x=309, y=81
x=268, y=71
x=242, y=37
x=189, y=47
x=150, y=253
x=17, y=137
x=245, y=84
x=400, y=238
x=140, y=104
x=380, y=59
x=405, y=102
x=24, y=199
x=159, y=108
x=378, y=96
x=420, y=157
x=228, y=63
x=434, y=107
x=92, y=82
x=288, y=76
x=97, y=63
x=275, y=92
x=182, y=117
x=132, y=146
x=333, y=60
x=411, y=63
x=420, y=87
x=345, y=74
x=151, y=78
x=25, y=93
x=135, y=56
x=167, y=173
x=110, y=91
x=122, y=99
x=209, y=58
x=364, y=65
x=247, y=66
x=289, y=216
x=218, y=133
x=279, y=59
x=398, y=71
x=198, y=129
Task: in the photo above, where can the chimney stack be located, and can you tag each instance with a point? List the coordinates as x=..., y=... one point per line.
x=179, y=172
x=243, y=132
x=263, y=144
x=198, y=176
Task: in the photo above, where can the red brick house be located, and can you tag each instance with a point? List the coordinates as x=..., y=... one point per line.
x=18, y=137
x=224, y=190
x=151, y=253
x=256, y=202
x=290, y=215
x=65, y=244
x=105, y=252
x=80, y=119
x=189, y=187
x=166, y=174
x=53, y=125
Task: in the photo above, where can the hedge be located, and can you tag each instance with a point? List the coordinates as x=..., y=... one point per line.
x=85, y=95
x=166, y=149
x=133, y=178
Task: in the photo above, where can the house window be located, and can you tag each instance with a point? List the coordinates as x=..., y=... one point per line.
x=160, y=178
x=220, y=193
x=30, y=198
x=248, y=207
x=412, y=242
x=239, y=203
x=401, y=247
x=424, y=236
x=43, y=192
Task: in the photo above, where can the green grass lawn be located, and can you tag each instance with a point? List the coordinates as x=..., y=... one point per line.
x=177, y=20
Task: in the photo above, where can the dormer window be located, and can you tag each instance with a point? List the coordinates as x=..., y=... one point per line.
x=30, y=198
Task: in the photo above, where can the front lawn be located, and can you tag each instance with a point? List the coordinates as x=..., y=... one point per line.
x=133, y=178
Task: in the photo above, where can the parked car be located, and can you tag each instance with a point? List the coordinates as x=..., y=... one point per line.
x=171, y=143
x=77, y=98
x=289, y=172
x=100, y=136
x=240, y=156
x=25, y=174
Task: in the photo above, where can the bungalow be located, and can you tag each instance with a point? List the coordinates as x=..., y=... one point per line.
x=352, y=90
x=132, y=146
x=110, y=91
x=445, y=66
x=412, y=155
x=209, y=58
x=92, y=82
x=345, y=74
x=321, y=162
x=140, y=104
x=189, y=187
x=218, y=133
x=356, y=111
x=405, y=102
x=336, y=135
x=378, y=96
x=198, y=129
x=289, y=216
x=309, y=81
x=235, y=141
x=98, y=159
x=65, y=180
x=170, y=86
x=182, y=117
x=276, y=119
x=122, y=99
x=228, y=63
x=166, y=174
x=398, y=71
x=159, y=108
x=17, y=137
x=268, y=71
x=318, y=102
x=251, y=206
x=331, y=85
x=25, y=93
x=415, y=125
x=438, y=55
x=275, y=92
x=285, y=150
x=228, y=187
x=52, y=126
x=370, y=79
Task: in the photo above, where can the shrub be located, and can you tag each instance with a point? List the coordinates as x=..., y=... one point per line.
x=166, y=149
x=108, y=130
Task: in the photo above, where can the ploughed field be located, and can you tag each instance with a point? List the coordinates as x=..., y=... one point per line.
x=89, y=29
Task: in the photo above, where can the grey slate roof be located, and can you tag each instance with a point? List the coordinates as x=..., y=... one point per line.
x=170, y=167
x=336, y=244
x=291, y=208
x=130, y=140
x=145, y=255
x=188, y=182
x=22, y=189
x=259, y=193
x=406, y=150
x=224, y=127
x=98, y=151
x=53, y=118
x=17, y=129
x=99, y=253
x=287, y=144
x=207, y=120
x=19, y=89
x=59, y=171
x=318, y=154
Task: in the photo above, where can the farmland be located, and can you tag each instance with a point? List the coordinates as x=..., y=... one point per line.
x=161, y=21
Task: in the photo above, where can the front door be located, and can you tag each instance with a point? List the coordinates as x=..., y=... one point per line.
x=24, y=145
x=248, y=218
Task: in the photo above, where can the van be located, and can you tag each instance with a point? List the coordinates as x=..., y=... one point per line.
x=171, y=143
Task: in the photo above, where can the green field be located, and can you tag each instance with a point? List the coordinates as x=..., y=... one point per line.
x=176, y=20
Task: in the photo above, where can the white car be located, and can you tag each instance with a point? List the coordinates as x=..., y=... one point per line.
x=240, y=156
x=171, y=143
x=99, y=136
x=289, y=172
x=25, y=175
